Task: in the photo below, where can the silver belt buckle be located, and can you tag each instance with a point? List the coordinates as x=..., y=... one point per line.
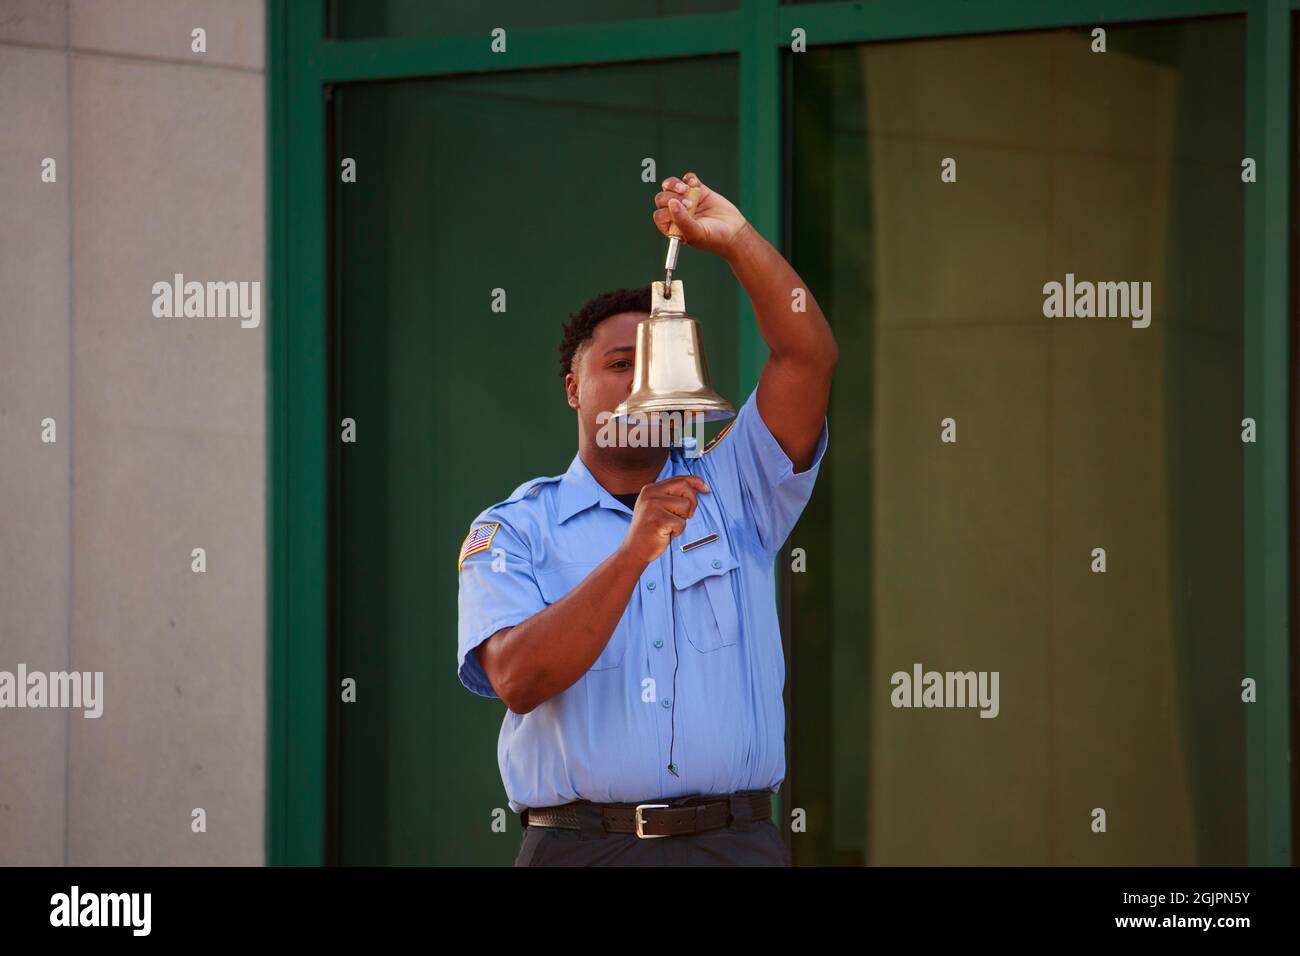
x=640, y=820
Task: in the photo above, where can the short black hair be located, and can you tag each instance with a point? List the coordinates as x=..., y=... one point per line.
x=594, y=311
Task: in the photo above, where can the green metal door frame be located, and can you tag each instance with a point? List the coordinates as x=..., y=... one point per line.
x=303, y=62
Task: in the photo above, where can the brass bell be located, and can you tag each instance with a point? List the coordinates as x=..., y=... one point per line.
x=670, y=373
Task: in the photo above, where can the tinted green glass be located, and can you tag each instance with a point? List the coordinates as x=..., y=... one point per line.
x=366, y=19
x=1118, y=691
x=530, y=184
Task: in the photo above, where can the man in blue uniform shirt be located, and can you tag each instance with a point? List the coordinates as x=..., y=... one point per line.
x=643, y=685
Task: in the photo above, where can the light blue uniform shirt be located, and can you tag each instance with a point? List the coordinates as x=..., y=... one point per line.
x=600, y=739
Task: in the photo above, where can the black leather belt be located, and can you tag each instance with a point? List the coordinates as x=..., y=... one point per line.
x=662, y=818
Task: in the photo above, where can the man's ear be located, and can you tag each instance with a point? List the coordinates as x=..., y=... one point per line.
x=571, y=389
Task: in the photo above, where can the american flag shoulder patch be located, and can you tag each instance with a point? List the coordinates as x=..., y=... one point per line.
x=478, y=539
x=718, y=437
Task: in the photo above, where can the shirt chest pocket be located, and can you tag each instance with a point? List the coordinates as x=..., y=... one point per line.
x=556, y=582
x=704, y=579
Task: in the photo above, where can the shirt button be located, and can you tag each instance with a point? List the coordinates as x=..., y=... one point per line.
x=668, y=702
x=659, y=643
x=650, y=585
x=717, y=562
x=672, y=767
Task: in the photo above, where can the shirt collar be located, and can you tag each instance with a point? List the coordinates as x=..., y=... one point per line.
x=579, y=489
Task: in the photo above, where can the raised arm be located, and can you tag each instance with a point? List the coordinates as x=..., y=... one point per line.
x=794, y=388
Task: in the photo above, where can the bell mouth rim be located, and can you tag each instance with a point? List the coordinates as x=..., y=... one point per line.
x=710, y=412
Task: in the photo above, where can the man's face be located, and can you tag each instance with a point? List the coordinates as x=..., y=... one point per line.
x=602, y=377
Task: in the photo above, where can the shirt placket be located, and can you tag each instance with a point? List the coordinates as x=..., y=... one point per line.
x=656, y=602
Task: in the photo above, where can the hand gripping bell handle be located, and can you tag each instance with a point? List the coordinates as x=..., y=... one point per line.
x=693, y=194
x=675, y=239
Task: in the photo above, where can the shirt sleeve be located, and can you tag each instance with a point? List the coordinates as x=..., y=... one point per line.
x=497, y=589
x=750, y=464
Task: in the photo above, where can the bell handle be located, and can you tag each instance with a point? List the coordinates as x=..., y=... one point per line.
x=693, y=194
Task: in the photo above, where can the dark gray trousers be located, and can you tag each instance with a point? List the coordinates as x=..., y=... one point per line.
x=747, y=843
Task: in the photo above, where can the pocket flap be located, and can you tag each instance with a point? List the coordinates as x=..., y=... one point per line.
x=691, y=567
